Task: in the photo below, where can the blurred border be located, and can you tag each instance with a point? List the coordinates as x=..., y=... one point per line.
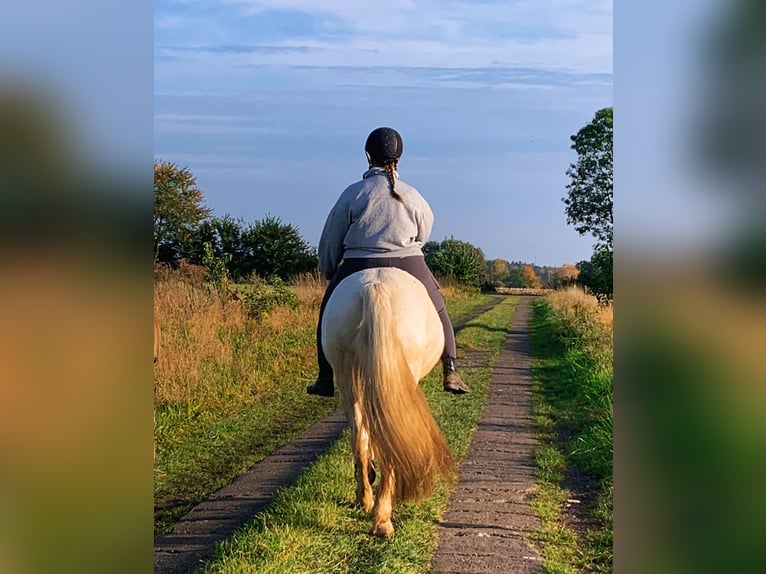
x=690, y=265
x=76, y=292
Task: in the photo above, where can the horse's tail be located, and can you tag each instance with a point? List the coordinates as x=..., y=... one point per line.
x=403, y=433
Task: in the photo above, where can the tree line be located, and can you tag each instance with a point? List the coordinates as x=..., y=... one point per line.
x=184, y=229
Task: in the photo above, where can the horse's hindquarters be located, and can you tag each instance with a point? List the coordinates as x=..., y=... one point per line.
x=413, y=316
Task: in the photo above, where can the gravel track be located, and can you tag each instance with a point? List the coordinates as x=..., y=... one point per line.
x=484, y=527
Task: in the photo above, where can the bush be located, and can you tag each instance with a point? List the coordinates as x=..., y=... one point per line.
x=262, y=296
x=597, y=274
x=278, y=249
x=459, y=260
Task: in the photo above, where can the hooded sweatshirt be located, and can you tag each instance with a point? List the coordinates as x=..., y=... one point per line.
x=367, y=221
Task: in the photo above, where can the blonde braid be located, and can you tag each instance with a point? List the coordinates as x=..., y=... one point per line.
x=390, y=167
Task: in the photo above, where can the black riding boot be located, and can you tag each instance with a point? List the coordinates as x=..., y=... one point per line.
x=453, y=383
x=324, y=386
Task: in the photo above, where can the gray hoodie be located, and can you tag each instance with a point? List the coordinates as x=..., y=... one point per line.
x=367, y=221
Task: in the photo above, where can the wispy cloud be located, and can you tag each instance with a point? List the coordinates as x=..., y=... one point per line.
x=556, y=34
x=208, y=124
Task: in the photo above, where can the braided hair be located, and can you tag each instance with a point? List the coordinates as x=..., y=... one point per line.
x=390, y=168
x=384, y=148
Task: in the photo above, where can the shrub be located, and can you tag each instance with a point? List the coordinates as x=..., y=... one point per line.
x=262, y=296
x=596, y=274
x=459, y=260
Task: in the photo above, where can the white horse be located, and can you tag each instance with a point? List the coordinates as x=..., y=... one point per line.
x=381, y=334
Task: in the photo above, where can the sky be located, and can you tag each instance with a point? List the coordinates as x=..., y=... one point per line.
x=269, y=102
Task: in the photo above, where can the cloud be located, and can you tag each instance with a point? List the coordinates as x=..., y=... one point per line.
x=556, y=34
x=236, y=49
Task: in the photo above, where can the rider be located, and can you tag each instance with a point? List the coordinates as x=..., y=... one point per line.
x=381, y=221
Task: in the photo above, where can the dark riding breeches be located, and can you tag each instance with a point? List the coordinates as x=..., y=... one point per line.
x=415, y=266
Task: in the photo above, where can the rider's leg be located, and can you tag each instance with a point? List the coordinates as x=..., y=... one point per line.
x=324, y=385
x=452, y=382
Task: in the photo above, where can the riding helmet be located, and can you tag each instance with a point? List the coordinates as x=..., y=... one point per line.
x=384, y=145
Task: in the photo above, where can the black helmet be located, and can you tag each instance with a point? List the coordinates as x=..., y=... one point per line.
x=384, y=145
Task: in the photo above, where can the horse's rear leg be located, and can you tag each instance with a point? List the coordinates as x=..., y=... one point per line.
x=381, y=525
x=362, y=462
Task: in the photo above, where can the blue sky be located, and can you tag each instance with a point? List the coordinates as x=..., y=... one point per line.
x=269, y=103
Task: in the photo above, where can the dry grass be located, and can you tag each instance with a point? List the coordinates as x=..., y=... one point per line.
x=522, y=291
x=309, y=287
x=213, y=354
x=584, y=312
x=206, y=337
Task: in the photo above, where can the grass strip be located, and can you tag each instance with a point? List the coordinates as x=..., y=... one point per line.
x=572, y=410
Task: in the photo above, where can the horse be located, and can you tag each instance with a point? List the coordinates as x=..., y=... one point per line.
x=382, y=335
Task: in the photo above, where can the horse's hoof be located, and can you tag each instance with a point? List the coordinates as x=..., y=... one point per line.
x=385, y=530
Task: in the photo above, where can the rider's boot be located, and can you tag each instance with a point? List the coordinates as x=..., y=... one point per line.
x=453, y=383
x=323, y=386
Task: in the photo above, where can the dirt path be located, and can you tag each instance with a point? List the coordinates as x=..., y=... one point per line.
x=482, y=530
x=193, y=538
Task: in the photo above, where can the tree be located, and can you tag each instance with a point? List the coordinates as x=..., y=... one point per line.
x=564, y=275
x=178, y=210
x=596, y=274
x=220, y=239
x=589, y=194
x=497, y=272
x=530, y=278
x=464, y=262
x=514, y=277
x=277, y=248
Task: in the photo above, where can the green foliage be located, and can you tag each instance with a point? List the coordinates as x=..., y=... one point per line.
x=573, y=409
x=589, y=196
x=262, y=296
x=217, y=274
x=278, y=249
x=459, y=260
x=502, y=273
x=514, y=278
x=178, y=210
x=266, y=248
x=597, y=274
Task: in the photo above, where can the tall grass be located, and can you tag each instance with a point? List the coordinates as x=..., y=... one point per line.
x=573, y=344
x=206, y=337
x=229, y=386
x=585, y=328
